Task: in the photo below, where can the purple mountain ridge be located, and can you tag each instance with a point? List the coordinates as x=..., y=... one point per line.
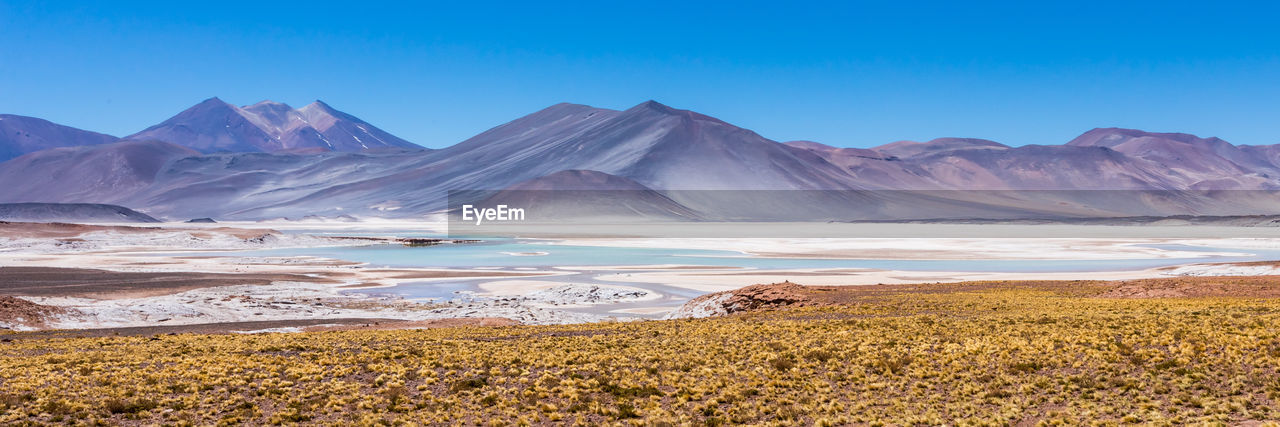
x=270, y=160
x=571, y=194
x=216, y=126
x=21, y=135
x=109, y=173
x=940, y=145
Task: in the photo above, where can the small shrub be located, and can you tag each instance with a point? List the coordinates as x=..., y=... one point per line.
x=783, y=363
x=469, y=384
x=128, y=406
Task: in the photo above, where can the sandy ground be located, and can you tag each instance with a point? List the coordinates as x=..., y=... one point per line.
x=104, y=284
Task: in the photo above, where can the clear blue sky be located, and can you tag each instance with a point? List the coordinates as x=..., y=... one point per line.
x=844, y=73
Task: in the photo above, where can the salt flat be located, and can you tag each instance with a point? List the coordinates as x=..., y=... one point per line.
x=296, y=287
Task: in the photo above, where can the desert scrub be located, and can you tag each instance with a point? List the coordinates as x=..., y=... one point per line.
x=1004, y=355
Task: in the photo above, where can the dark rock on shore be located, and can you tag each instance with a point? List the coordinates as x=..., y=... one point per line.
x=70, y=212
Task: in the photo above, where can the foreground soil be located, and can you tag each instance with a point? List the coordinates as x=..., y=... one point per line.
x=997, y=353
x=106, y=284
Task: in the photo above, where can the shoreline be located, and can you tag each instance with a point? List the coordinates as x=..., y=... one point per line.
x=939, y=249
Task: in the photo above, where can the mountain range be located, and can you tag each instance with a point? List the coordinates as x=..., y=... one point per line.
x=21, y=135
x=216, y=126
x=269, y=160
x=70, y=212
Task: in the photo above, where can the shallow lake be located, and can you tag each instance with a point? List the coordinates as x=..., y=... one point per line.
x=506, y=253
x=518, y=254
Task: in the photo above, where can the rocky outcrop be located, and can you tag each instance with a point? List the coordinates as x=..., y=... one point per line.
x=750, y=298
x=22, y=315
x=70, y=212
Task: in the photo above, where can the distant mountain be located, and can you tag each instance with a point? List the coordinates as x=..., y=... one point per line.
x=70, y=212
x=109, y=173
x=659, y=147
x=871, y=168
x=940, y=145
x=1190, y=161
x=1038, y=167
x=664, y=155
x=655, y=145
x=1101, y=159
x=21, y=135
x=578, y=180
x=216, y=126
x=574, y=195
x=865, y=153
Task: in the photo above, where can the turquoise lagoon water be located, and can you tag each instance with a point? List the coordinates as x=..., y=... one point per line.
x=505, y=253
x=513, y=254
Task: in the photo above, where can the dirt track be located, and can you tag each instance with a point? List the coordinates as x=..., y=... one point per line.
x=90, y=283
x=63, y=230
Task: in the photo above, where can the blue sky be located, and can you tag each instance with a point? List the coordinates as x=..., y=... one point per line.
x=851, y=74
